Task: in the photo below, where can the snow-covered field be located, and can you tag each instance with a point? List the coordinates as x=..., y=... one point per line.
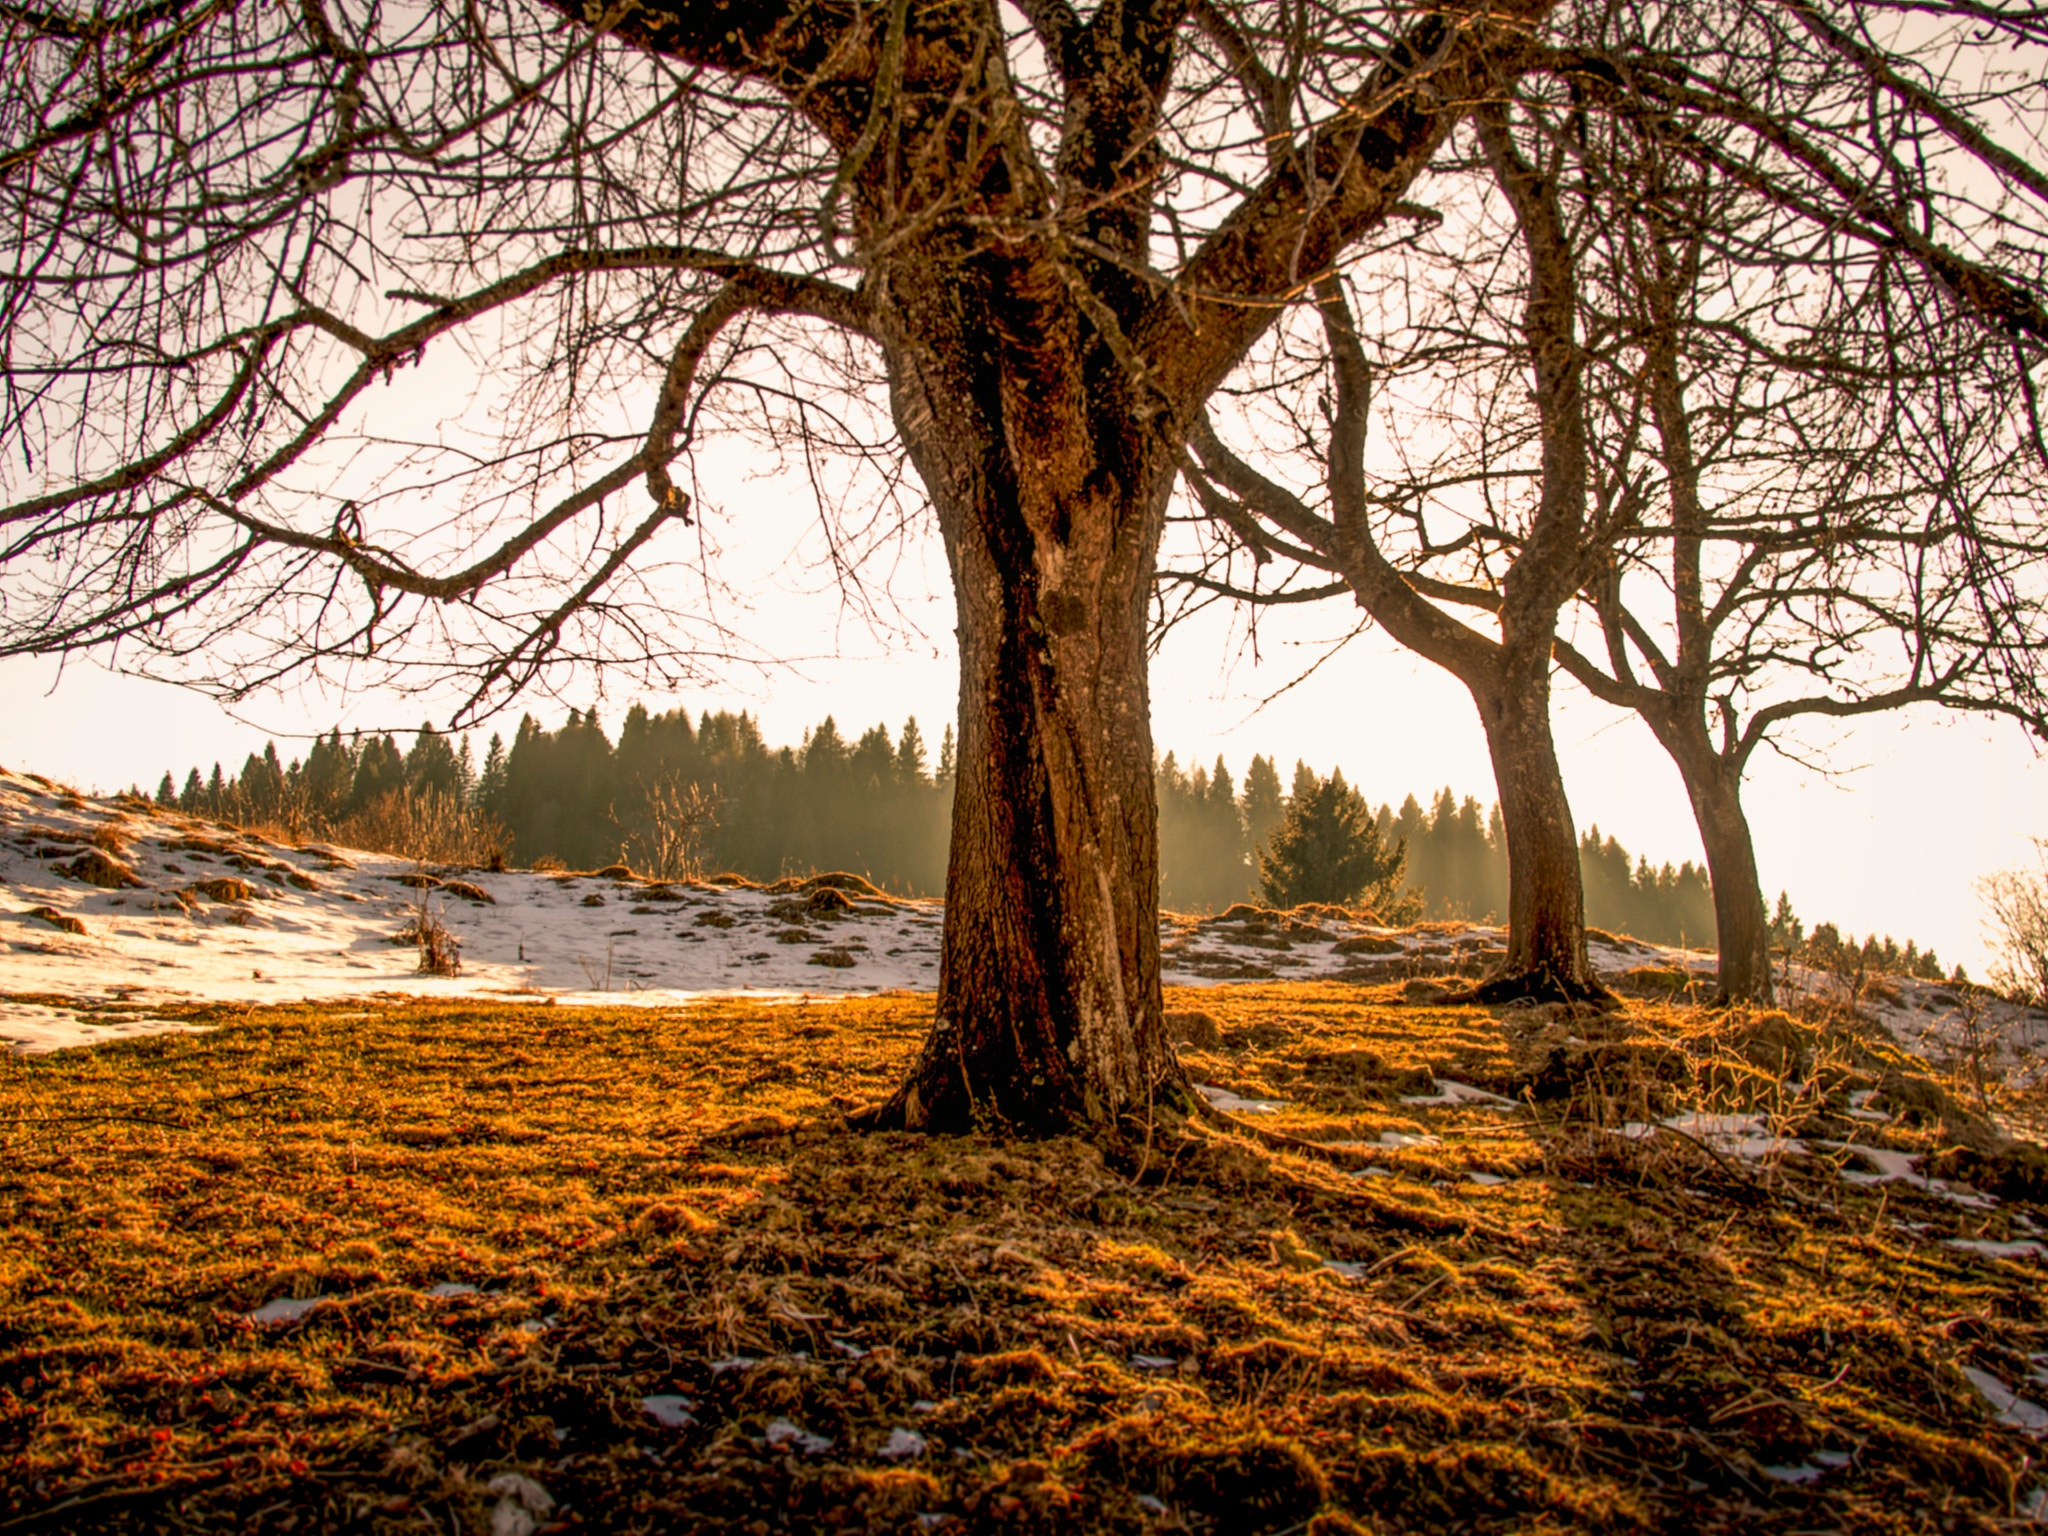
x=115, y=902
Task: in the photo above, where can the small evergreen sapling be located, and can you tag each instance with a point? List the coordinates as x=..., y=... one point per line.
x=1328, y=849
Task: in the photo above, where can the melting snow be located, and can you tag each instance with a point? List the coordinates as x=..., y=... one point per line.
x=669, y=1410
x=1231, y=1104
x=783, y=1433
x=1996, y=1250
x=1812, y=1470
x=1894, y=1167
x=275, y=1314
x=1448, y=1092
x=1399, y=1139
x=902, y=1445
x=2012, y=1410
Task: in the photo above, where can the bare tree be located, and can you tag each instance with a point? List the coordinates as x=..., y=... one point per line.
x=2016, y=920
x=1048, y=235
x=1509, y=676
x=1794, y=413
x=1018, y=248
x=1820, y=502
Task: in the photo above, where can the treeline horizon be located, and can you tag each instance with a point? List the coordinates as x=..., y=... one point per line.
x=717, y=797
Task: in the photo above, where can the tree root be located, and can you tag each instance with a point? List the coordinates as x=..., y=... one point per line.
x=1538, y=985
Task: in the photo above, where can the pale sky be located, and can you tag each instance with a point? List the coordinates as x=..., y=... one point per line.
x=1918, y=805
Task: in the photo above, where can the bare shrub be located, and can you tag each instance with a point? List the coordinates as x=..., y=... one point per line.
x=2016, y=923
x=440, y=951
x=665, y=836
x=428, y=826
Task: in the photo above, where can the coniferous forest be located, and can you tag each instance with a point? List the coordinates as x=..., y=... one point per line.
x=677, y=797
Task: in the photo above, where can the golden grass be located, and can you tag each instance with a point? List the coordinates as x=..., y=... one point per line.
x=1133, y=1337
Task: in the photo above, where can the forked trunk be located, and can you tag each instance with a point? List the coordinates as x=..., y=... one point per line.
x=1546, y=897
x=1049, y=1014
x=1741, y=926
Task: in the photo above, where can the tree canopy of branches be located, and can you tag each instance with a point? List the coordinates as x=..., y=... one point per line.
x=1746, y=351
x=1818, y=499
x=1018, y=248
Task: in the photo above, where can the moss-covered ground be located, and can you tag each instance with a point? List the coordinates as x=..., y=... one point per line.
x=885, y=1332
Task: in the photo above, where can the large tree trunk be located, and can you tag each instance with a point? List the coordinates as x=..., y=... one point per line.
x=1049, y=1013
x=1741, y=925
x=1546, y=898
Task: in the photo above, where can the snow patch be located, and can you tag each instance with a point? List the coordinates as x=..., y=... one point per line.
x=286, y=1310
x=783, y=1434
x=1990, y=1248
x=1450, y=1093
x=2011, y=1410
x=669, y=1410
x=1231, y=1104
x=902, y=1445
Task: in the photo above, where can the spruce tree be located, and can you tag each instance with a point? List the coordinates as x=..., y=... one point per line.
x=1787, y=930
x=1262, y=804
x=330, y=771
x=380, y=768
x=490, y=782
x=431, y=765
x=167, y=792
x=1328, y=849
x=910, y=771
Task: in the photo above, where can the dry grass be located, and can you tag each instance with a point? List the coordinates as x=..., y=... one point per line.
x=1138, y=1337
x=426, y=826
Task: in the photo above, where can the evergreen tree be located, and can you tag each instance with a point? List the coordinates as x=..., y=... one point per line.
x=380, y=769
x=193, y=795
x=431, y=766
x=1328, y=849
x=1787, y=931
x=1262, y=805
x=490, y=781
x=167, y=792
x=910, y=770
x=872, y=762
x=329, y=776
x=1305, y=781
x=946, y=759
x=825, y=751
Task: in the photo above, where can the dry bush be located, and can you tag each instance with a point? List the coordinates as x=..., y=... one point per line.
x=112, y=838
x=665, y=836
x=2016, y=920
x=426, y=826
x=440, y=951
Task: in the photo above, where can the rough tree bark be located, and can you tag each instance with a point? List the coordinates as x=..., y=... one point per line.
x=1049, y=468
x=1546, y=957
x=1742, y=928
